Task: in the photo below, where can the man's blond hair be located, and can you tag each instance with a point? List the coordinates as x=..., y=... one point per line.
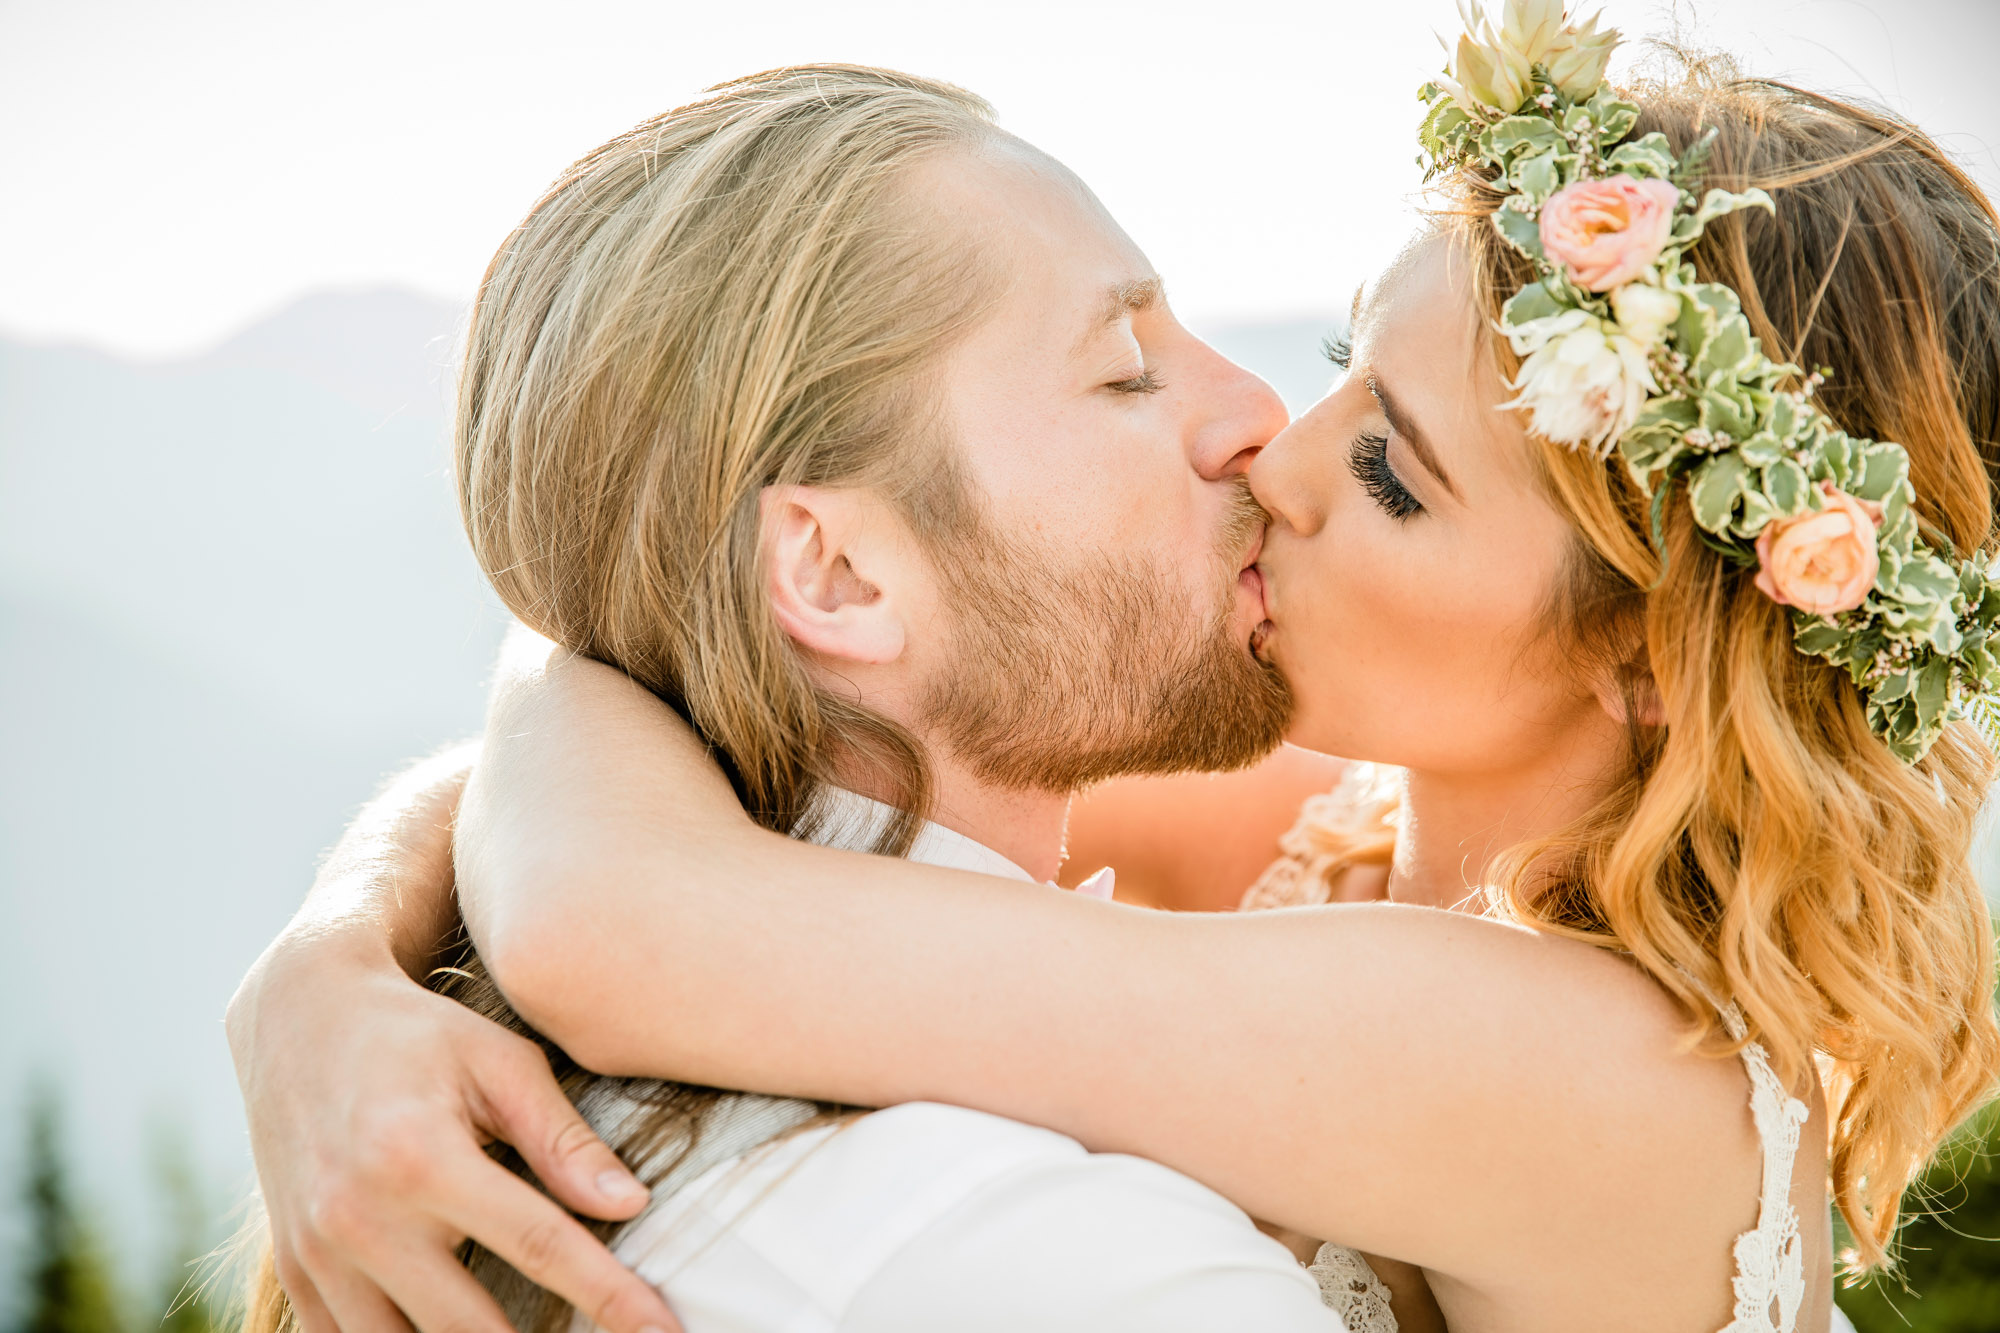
x=731, y=296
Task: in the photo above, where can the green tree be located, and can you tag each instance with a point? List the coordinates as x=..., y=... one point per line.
x=187, y=1296
x=69, y=1279
x=1947, y=1276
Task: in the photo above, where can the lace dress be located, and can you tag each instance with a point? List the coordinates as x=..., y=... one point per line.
x=1770, y=1258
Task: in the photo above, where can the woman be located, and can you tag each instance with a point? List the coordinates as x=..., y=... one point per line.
x=1679, y=712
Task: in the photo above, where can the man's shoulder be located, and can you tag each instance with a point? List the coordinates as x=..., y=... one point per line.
x=885, y=1206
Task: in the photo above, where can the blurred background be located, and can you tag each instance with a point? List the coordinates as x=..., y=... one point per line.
x=234, y=252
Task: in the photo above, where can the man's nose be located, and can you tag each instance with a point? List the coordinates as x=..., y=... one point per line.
x=1245, y=413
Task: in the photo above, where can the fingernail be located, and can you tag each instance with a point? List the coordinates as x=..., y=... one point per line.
x=621, y=1185
x=652, y=1328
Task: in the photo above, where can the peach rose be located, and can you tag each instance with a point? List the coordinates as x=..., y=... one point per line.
x=1608, y=232
x=1821, y=562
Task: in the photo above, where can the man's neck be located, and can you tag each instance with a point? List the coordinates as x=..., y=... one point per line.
x=1026, y=827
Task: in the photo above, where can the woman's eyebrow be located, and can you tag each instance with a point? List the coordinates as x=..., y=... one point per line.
x=1401, y=422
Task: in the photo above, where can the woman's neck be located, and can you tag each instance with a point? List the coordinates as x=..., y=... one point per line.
x=1456, y=825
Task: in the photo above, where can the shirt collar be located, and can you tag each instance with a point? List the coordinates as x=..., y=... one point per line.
x=850, y=821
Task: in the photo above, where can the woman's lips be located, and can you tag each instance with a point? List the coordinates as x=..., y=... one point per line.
x=1251, y=581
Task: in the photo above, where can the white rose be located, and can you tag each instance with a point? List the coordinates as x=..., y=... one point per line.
x=1582, y=380
x=1644, y=311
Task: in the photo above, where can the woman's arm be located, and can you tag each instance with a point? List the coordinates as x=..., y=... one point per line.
x=368, y=1097
x=1193, y=841
x=1453, y=1104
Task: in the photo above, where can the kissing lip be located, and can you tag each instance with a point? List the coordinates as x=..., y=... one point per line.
x=1256, y=551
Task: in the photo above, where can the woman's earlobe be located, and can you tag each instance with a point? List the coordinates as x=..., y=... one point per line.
x=1630, y=696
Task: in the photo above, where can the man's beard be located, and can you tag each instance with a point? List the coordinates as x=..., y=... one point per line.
x=1070, y=672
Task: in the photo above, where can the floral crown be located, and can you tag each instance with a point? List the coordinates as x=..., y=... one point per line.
x=1624, y=350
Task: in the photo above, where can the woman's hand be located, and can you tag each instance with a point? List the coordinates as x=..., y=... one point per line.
x=369, y=1098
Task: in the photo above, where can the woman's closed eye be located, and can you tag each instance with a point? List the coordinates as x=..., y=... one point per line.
x=1143, y=382
x=1368, y=460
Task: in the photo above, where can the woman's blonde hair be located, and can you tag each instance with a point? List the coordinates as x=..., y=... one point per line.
x=734, y=295
x=1764, y=846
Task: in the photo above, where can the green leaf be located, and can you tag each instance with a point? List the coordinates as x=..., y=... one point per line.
x=1882, y=466
x=1817, y=638
x=1536, y=176
x=1925, y=581
x=1724, y=409
x=1784, y=416
x=1933, y=687
x=1444, y=117
x=1517, y=135
x=1717, y=485
x=1727, y=348
x=1717, y=203
x=1521, y=231
x=1534, y=301
x=1648, y=157
x=1895, y=687
x=1613, y=116
x=1757, y=511
x=1762, y=449
x=1785, y=482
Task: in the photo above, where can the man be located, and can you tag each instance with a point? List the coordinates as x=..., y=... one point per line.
x=856, y=430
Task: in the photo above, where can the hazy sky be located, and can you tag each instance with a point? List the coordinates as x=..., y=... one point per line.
x=172, y=170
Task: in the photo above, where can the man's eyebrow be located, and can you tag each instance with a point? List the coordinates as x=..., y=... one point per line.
x=1130, y=297
x=1401, y=423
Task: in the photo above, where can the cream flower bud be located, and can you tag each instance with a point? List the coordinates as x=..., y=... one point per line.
x=1577, y=65
x=1486, y=78
x=1582, y=381
x=1531, y=28
x=1644, y=312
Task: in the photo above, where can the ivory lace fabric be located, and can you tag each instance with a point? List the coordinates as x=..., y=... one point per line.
x=1769, y=1285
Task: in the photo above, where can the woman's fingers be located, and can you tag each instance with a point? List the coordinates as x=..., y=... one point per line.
x=546, y=1245
x=524, y=1106
x=308, y=1309
x=437, y=1293
x=354, y=1304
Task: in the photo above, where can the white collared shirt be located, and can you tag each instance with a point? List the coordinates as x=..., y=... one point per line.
x=928, y=1217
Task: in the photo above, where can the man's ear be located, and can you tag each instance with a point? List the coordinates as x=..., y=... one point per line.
x=827, y=558
x=1629, y=695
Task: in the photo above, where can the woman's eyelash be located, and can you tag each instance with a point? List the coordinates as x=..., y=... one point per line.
x=1336, y=348
x=1144, y=382
x=1369, y=462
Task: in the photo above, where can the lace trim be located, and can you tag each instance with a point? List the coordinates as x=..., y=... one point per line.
x=1349, y=1288
x=1770, y=1282
x=1352, y=824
